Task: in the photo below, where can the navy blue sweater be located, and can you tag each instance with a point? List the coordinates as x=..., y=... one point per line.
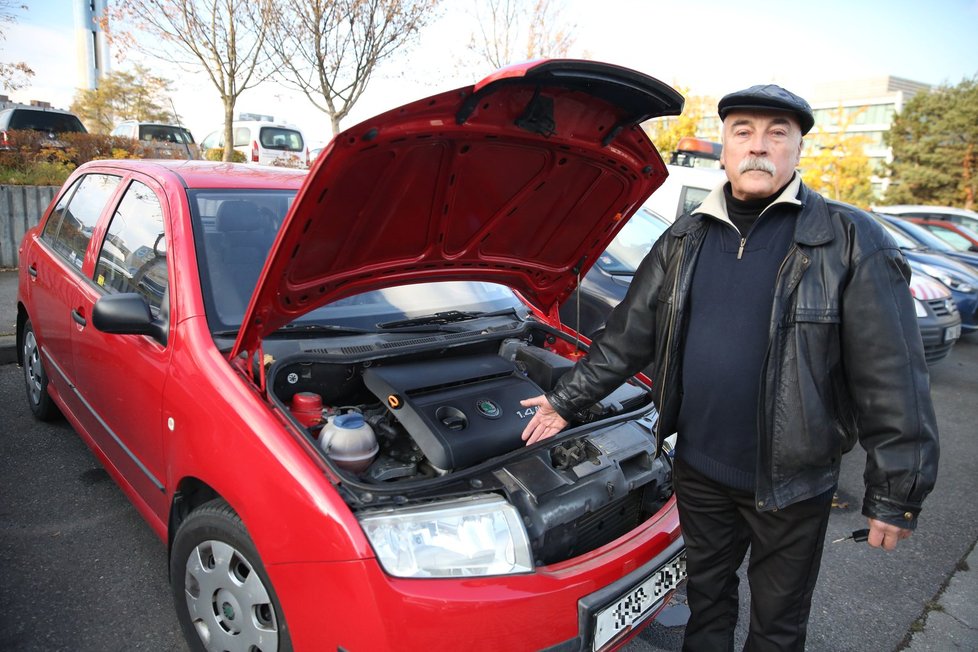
x=726, y=343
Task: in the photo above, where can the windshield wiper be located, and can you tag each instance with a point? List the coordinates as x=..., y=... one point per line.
x=320, y=329
x=440, y=319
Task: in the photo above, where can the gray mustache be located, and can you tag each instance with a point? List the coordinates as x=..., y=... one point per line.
x=756, y=163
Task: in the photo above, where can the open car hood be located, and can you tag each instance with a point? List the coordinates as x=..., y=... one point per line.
x=522, y=179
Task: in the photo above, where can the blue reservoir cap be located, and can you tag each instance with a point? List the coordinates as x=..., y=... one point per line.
x=350, y=420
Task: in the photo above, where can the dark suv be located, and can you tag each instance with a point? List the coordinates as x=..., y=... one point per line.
x=49, y=121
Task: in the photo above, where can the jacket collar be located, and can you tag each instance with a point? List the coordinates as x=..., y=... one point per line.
x=812, y=228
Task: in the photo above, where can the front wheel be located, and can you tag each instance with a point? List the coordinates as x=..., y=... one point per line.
x=222, y=594
x=36, y=379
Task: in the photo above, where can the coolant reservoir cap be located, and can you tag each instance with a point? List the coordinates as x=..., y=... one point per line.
x=351, y=420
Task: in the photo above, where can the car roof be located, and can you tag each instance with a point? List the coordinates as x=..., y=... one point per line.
x=209, y=174
x=899, y=209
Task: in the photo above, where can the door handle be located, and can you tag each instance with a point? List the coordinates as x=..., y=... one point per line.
x=79, y=319
x=32, y=270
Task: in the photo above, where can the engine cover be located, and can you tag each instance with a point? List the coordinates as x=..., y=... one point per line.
x=460, y=411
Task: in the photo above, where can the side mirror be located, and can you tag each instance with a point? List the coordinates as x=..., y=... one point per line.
x=126, y=314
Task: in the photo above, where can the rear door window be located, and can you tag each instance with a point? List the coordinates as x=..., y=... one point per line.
x=288, y=140
x=165, y=134
x=78, y=220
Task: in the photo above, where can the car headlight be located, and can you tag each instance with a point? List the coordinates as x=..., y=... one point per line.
x=949, y=278
x=478, y=535
x=919, y=308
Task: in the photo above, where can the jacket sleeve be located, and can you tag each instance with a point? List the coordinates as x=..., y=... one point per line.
x=889, y=383
x=625, y=346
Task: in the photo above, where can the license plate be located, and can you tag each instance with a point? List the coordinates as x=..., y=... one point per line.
x=636, y=605
x=952, y=333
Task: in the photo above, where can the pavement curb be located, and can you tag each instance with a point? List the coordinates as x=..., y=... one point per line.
x=950, y=621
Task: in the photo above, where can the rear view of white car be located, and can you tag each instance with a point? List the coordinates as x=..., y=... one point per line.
x=265, y=143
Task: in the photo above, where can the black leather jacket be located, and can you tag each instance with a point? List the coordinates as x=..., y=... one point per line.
x=844, y=361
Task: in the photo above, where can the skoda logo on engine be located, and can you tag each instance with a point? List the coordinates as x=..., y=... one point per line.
x=488, y=408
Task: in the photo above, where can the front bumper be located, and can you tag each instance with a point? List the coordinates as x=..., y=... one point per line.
x=354, y=605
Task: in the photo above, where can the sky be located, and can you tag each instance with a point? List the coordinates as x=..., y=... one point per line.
x=710, y=47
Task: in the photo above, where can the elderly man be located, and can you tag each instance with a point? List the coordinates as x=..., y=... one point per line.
x=781, y=329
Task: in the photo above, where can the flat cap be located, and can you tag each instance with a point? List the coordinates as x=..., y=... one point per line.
x=768, y=97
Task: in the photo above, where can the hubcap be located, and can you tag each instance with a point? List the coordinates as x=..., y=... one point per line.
x=229, y=605
x=32, y=367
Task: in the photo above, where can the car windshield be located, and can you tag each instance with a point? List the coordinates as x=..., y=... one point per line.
x=902, y=240
x=632, y=243
x=922, y=235
x=955, y=240
x=237, y=229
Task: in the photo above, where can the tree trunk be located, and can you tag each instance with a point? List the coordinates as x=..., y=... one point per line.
x=228, y=129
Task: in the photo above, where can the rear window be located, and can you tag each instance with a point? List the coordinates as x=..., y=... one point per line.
x=286, y=140
x=44, y=121
x=165, y=134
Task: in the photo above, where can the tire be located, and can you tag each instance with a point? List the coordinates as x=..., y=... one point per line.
x=36, y=378
x=222, y=594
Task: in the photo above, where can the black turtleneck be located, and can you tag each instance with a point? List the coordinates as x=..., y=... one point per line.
x=743, y=212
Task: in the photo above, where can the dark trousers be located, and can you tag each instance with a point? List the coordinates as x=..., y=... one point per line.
x=719, y=524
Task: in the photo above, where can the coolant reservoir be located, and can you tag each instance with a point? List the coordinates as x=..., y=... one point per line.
x=349, y=441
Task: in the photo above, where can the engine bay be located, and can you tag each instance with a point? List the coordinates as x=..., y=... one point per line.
x=429, y=425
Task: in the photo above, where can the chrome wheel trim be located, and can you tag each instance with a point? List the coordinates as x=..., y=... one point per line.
x=33, y=372
x=229, y=605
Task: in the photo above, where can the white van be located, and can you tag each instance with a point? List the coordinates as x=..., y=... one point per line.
x=265, y=143
x=683, y=190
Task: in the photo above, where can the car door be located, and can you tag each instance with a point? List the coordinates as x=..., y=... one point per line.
x=55, y=270
x=121, y=377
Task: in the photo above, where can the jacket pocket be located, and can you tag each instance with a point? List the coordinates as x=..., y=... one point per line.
x=813, y=386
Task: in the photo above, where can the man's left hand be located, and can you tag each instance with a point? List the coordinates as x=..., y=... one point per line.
x=883, y=535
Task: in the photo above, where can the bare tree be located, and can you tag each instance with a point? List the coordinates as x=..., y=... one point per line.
x=520, y=30
x=329, y=49
x=224, y=38
x=13, y=76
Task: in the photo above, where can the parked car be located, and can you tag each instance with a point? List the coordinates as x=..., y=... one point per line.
x=266, y=143
x=163, y=140
x=684, y=189
x=937, y=315
x=945, y=213
x=930, y=242
x=958, y=236
x=959, y=278
x=45, y=120
x=308, y=383
x=605, y=284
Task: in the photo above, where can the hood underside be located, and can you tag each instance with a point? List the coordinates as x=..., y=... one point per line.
x=522, y=179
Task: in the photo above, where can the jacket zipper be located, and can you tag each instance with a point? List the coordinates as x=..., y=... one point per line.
x=740, y=251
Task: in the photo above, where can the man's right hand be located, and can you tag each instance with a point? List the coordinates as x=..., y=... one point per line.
x=545, y=423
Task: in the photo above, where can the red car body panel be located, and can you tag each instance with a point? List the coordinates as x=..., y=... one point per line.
x=160, y=416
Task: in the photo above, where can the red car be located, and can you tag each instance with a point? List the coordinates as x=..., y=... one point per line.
x=958, y=236
x=309, y=383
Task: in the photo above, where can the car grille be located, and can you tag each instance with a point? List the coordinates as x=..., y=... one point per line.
x=593, y=530
x=941, y=307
